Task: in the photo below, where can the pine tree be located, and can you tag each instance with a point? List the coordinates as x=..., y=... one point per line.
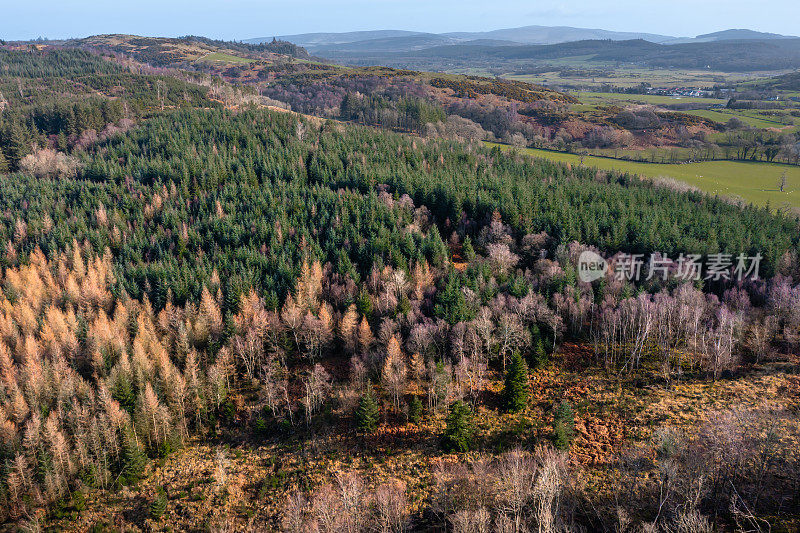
x=368, y=412
x=515, y=391
x=459, y=431
x=563, y=426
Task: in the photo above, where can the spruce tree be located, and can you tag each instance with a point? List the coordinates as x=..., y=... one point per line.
x=467, y=249
x=124, y=393
x=515, y=391
x=159, y=505
x=18, y=145
x=459, y=431
x=539, y=355
x=364, y=303
x=415, y=410
x=368, y=412
x=232, y=296
x=134, y=459
x=563, y=426
x=4, y=167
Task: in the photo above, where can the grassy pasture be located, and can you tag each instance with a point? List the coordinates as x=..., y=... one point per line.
x=631, y=77
x=221, y=57
x=594, y=98
x=754, y=118
x=754, y=182
x=749, y=118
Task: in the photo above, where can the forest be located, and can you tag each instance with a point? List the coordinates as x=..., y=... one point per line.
x=178, y=272
x=447, y=106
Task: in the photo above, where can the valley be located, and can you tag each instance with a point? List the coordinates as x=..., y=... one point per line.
x=400, y=281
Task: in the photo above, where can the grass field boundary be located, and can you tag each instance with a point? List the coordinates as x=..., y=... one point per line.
x=755, y=182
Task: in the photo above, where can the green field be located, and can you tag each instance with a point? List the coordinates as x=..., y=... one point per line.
x=750, y=118
x=631, y=77
x=220, y=57
x=754, y=118
x=594, y=98
x=754, y=182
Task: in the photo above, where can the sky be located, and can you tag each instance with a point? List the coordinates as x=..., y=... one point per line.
x=243, y=19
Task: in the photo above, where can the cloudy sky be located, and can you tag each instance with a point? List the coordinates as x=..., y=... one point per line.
x=242, y=19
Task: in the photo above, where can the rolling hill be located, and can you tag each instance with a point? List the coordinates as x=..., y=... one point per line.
x=522, y=35
x=739, y=35
x=733, y=50
x=556, y=34
x=322, y=38
x=729, y=56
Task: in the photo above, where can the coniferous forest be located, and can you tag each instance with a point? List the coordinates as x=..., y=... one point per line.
x=391, y=328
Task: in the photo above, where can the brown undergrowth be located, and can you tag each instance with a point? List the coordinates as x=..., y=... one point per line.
x=243, y=485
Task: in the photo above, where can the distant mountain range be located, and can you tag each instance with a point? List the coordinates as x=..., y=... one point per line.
x=555, y=35
x=732, y=35
x=723, y=55
x=388, y=41
x=739, y=50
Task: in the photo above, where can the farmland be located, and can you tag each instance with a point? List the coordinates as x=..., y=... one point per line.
x=754, y=182
x=596, y=98
x=754, y=118
x=569, y=74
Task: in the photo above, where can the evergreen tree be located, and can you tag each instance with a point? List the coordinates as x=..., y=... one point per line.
x=4, y=167
x=124, y=393
x=18, y=145
x=232, y=296
x=159, y=505
x=539, y=354
x=563, y=426
x=459, y=432
x=61, y=142
x=451, y=303
x=468, y=250
x=134, y=459
x=364, y=304
x=415, y=410
x=368, y=412
x=515, y=391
